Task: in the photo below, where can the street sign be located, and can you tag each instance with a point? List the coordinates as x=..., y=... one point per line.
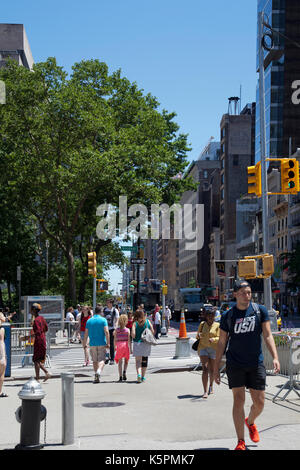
x=129, y=248
x=138, y=261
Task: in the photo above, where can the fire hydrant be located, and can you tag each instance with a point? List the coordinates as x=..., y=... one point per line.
x=30, y=414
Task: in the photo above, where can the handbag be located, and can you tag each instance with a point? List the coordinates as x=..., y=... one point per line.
x=147, y=337
x=196, y=343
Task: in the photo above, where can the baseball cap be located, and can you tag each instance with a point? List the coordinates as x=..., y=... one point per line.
x=239, y=284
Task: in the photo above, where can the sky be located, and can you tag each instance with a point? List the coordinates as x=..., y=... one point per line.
x=191, y=55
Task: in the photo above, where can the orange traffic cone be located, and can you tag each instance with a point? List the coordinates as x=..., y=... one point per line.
x=182, y=328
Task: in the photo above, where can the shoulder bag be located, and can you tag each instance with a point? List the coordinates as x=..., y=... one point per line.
x=196, y=343
x=147, y=337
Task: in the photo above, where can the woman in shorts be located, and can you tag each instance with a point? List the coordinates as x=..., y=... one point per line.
x=208, y=333
x=141, y=350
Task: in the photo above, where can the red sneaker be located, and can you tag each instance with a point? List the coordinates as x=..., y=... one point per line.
x=240, y=445
x=253, y=432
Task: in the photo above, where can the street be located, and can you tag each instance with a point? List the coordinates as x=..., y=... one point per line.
x=166, y=412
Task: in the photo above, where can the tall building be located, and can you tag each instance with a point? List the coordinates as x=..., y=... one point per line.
x=194, y=265
x=237, y=152
x=14, y=45
x=282, y=69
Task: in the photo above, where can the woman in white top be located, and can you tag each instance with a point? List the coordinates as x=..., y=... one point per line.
x=2, y=356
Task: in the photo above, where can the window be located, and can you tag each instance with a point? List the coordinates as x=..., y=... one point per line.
x=235, y=160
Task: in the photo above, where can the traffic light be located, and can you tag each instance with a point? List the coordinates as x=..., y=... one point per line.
x=268, y=265
x=164, y=288
x=254, y=179
x=92, y=264
x=289, y=175
x=247, y=268
x=102, y=285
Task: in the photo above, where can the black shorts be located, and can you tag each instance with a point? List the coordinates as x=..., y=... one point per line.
x=249, y=377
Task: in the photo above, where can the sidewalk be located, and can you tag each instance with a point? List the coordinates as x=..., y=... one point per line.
x=167, y=412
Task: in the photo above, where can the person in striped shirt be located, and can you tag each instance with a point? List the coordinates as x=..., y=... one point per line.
x=122, y=346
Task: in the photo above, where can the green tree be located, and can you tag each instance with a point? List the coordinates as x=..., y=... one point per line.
x=18, y=247
x=72, y=143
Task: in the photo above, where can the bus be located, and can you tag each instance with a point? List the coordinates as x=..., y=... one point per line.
x=191, y=300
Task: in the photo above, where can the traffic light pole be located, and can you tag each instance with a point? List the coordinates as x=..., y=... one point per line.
x=263, y=151
x=94, y=293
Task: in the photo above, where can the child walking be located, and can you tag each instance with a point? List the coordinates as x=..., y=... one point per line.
x=122, y=346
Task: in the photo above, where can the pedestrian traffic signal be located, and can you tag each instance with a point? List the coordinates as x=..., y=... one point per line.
x=290, y=175
x=92, y=264
x=102, y=285
x=254, y=179
x=247, y=268
x=268, y=265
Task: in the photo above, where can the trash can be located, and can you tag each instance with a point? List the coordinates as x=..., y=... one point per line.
x=7, y=341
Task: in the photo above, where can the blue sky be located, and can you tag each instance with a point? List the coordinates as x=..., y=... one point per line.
x=191, y=55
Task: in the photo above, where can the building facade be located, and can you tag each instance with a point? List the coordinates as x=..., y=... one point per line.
x=237, y=153
x=14, y=45
x=282, y=69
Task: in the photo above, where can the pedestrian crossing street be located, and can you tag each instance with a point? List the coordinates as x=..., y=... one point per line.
x=74, y=356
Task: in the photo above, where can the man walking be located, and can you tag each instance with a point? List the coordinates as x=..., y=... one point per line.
x=97, y=330
x=111, y=314
x=242, y=327
x=168, y=316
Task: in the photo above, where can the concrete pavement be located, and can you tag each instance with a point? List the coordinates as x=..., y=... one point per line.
x=167, y=412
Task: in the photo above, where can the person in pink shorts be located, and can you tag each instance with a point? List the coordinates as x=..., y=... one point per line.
x=122, y=346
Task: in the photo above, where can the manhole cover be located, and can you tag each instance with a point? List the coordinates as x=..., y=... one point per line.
x=103, y=404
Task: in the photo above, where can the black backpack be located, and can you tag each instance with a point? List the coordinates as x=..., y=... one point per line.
x=110, y=316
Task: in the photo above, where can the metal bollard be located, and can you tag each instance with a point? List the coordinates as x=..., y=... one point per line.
x=30, y=414
x=67, y=382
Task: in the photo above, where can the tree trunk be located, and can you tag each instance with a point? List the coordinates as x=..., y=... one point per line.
x=72, y=274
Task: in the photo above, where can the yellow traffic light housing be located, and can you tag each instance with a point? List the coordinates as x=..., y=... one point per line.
x=268, y=265
x=247, y=268
x=92, y=264
x=289, y=175
x=254, y=179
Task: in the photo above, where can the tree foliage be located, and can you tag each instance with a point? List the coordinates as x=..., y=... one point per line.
x=71, y=143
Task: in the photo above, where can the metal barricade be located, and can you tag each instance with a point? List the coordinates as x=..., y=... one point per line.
x=288, y=349
x=60, y=333
x=21, y=350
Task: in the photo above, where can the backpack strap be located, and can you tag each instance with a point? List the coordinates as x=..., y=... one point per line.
x=256, y=310
x=229, y=319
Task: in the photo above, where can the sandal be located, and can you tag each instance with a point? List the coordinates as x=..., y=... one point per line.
x=3, y=395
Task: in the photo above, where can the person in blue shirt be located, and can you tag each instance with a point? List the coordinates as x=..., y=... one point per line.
x=97, y=330
x=241, y=328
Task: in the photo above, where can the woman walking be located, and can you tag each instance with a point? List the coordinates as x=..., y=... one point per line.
x=208, y=333
x=129, y=326
x=40, y=328
x=2, y=356
x=85, y=315
x=141, y=350
x=122, y=346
